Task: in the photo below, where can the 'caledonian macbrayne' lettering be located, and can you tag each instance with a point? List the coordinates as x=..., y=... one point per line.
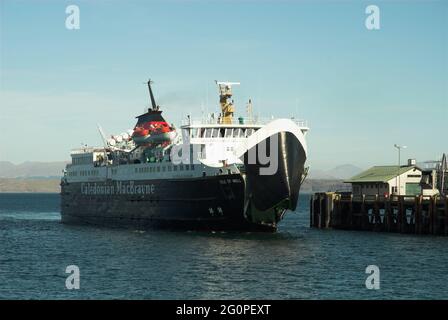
x=119, y=188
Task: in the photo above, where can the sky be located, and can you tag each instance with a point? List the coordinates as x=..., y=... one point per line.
x=360, y=90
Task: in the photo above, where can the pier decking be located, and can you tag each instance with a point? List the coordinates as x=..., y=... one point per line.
x=403, y=214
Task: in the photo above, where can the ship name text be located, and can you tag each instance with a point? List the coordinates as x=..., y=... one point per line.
x=118, y=188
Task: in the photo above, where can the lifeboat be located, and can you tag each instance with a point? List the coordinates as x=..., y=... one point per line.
x=153, y=132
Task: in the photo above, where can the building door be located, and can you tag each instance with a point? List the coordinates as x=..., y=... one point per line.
x=413, y=189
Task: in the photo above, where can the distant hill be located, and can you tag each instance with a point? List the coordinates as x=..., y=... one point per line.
x=45, y=177
x=32, y=169
x=341, y=172
x=324, y=185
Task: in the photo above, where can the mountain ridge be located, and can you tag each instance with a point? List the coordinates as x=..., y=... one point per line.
x=340, y=172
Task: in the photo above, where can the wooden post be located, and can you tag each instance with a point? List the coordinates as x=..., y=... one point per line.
x=363, y=212
x=311, y=210
x=350, y=212
x=446, y=215
x=435, y=213
x=431, y=216
x=417, y=214
x=323, y=210
x=376, y=215
x=336, y=212
x=329, y=209
x=386, y=214
x=336, y=222
x=319, y=220
x=405, y=224
x=389, y=217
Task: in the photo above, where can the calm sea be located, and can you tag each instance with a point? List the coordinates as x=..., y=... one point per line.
x=296, y=262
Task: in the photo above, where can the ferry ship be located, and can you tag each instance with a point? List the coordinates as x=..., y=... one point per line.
x=218, y=172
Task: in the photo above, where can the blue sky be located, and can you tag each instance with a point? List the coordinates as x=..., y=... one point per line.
x=360, y=90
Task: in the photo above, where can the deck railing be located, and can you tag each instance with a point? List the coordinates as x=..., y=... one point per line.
x=239, y=121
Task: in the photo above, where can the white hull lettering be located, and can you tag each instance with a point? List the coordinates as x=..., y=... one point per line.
x=119, y=188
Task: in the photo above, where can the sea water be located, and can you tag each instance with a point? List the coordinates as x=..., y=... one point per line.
x=295, y=263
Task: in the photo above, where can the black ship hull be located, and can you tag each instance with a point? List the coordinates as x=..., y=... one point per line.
x=240, y=202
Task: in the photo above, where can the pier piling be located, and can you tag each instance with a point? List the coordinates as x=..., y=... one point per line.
x=403, y=214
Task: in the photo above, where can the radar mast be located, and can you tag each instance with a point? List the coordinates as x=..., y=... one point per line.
x=225, y=95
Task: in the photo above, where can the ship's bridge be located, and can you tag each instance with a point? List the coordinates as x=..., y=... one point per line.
x=219, y=142
x=196, y=130
x=87, y=156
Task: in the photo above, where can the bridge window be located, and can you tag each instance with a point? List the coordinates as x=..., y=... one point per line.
x=229, y=132
x=194, y=132
x=236, y=133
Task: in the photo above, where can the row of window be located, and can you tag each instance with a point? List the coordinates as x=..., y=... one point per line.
x=221, y=132
x=84, y=173
x=89, y=173
x=168, y=168
x=82, y=160
x=370, y=186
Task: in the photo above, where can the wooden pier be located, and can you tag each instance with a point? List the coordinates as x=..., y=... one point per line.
x=402, y=214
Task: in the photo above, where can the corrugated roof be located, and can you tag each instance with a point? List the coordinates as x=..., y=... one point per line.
x=380, y=174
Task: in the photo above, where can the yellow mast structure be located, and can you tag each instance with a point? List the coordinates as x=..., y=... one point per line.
x=225, y=95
